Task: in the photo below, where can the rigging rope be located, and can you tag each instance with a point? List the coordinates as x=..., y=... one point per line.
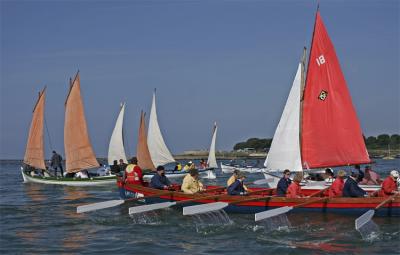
x=48, y=134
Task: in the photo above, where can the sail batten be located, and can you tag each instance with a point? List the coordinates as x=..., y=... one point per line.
x=159, y=152
x=34, y=153
x=284, y=152
x=212, y=161
x=142, y=150
x=79, y=153
x=331, y=132
x=116, y=150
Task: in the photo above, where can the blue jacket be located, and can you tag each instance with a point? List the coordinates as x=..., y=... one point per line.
x=158, y=181
x=282, y=186
x=236, y=188
x=351, y=189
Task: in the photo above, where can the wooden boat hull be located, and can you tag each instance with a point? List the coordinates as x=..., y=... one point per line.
x=341, y=205
x=96, y=181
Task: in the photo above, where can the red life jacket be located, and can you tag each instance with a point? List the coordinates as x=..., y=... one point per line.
x=293, y=190
x=388, y=187
x=134, y=174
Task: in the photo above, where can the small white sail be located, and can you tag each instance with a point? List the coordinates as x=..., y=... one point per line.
x=159, y=152
x=285, y=148
x=116, y=150
x=212, y=162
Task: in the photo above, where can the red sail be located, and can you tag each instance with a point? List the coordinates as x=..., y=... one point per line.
x=331, y=134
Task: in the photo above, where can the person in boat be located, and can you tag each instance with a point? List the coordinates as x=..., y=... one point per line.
x=178, y=166
x=191, y=183
x=233, y=178
x=351, y=188
x=83, y=174
x=133, y=173
x=371, y=177
x=360, y=173
x=329, y=176
x=56, y=163
x=189, y=165
x=294, y=190
x=336, y=189
x=203, y=164
x=159, y=180
x=283, y=184
x=389, y=185
x=237, y=188
x=115, y=169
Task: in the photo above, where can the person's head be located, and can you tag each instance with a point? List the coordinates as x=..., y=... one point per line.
x=341, y=173
x=134, y=160
x=286, y=173
x=160, y=170
x=54, y=152
x=367, y=168
x=115, y=162
x=357, y=167
x=329, y=172
x=241, y=176
x=194, y=173
x=189, y=163
x=394, y=174
x=236, y=173
x=298, y=177
x=354, y=175
x=121, y=161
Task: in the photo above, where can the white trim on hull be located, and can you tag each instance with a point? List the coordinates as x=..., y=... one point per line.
x=105, y=180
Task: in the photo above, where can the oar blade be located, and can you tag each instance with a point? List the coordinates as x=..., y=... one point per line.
x=150, y=207
x=364, y=219
x=98, y=206
x=203, y=208
x=272, y=213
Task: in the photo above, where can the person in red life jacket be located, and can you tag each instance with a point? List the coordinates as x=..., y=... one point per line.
x=370, y=177
x=294, y=190
x=336, y=189
x=389, y=185
x=133, y=173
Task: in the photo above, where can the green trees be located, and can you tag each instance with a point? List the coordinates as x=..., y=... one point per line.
x=256, y=143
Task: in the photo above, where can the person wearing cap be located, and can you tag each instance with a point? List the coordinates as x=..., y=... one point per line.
x=294, y=190
x=56, y=162
x=370, y=177
x=189, y=165
x=389, y=185
x=233, y=178
x=357, y=169
x=351, y=188
x=237, y=188
x=336, y=189
x=283, y=184
x=159, y=180
x=133, y=173
x=329, y=177
x=191, y=183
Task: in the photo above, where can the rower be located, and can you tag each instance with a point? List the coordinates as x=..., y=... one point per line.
x=294, y=190
x=283, y=184
x=336, y=189
x=351, y=188
x=191, y=183
x=237, y=188
x=389, y=186
x=133, y=173
x=233, y=178
x=159, y=180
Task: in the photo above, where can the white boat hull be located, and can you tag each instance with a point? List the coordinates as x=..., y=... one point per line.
x=97, y=181
x=229, y=169
x=206, y=173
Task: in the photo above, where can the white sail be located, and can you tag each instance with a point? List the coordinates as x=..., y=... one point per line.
x=212, y=161
x=116, y=150
x=159, y=152
x=285, y=148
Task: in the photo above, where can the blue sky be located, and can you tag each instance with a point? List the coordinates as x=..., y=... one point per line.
x=227, y=61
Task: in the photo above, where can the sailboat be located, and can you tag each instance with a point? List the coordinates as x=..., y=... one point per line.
x=79, y=153
x=116, y=149
x=388, y=156
x=319, y=127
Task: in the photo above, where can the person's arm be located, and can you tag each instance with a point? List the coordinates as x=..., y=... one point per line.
x=232, y=189
x=156, y=182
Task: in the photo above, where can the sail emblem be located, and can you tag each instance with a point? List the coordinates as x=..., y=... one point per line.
x=323, y=95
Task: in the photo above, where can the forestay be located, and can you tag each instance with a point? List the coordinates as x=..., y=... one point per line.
x=159, y=152
x=116, y=150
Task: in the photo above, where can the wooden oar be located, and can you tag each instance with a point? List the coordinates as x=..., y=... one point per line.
x=366, y=217
x=275, y=212
x=209, y=207
x=113, y=203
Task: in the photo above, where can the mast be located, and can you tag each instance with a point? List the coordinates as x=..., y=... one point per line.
x=34, y=152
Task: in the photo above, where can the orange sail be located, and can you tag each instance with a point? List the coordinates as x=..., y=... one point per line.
x=79, y=153
x=331, y=134
x=34, y=154
x=142, y=150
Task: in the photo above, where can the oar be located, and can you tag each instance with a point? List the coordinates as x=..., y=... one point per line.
x=366, y=217
x=113, y=203
x=281, y=210
x=209, y=207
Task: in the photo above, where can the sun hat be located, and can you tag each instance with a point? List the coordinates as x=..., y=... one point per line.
x=394, y=173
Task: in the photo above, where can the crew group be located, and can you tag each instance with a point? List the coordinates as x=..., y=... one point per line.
x=286, y=187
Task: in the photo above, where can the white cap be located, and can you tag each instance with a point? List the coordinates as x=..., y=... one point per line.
x=394, y=173
x=190, y=162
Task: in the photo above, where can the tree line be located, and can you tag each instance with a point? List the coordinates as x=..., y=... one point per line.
x=380, y=142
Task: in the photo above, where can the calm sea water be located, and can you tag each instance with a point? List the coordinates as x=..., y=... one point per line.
x=42, y=219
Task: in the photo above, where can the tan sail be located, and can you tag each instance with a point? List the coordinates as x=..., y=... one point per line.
x=142, y=150
x=79, y=153
x=34, y=154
